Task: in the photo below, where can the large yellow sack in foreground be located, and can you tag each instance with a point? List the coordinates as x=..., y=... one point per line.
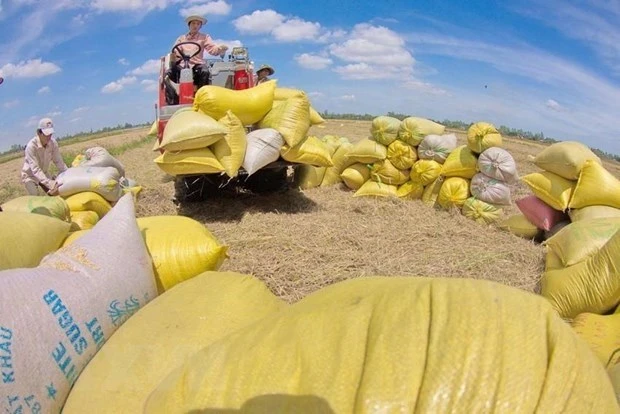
x=153, y=130
x=453, y=192
x=461, y=162
x=396, y=344
x=196, y=161
x=190, y=130
x=83, y=220
x=483, y=135
x=290, y=118
x=592, y=212
x=592, y=285
x=519, y=225
x=413, y=130
x=230, y=151
x=340, y=161
x=565, y=159
x=367, y=151
x=550, y=188
x=250, y=105
x=602, y=333
x=481, y=211
x=310, y=150
x=163, y=334
x=282, y=94
x=596, y=186
x=374, y=189
x=354, y=176
x=48, y=206
x=25, y=238
x=89, y=201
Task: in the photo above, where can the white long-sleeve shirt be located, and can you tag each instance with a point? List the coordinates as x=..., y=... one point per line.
x=38, y=159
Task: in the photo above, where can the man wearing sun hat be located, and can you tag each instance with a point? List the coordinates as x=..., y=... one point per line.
x=40, y=152
x=263, y=73
x=197, y=63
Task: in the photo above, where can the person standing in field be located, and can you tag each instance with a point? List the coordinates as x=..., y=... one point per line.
x=263, y=73
x=40, y=152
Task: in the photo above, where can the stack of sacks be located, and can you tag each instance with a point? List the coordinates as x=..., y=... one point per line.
x=75, y=299
x=104, y=181
x=309, y=176
x=180, y=248
x=276, y=364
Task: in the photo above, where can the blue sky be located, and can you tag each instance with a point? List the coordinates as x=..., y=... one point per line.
x=550, y=66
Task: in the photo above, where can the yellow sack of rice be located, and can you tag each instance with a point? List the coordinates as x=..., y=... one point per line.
x=550, y=188
x=181, y=248
x=602, y=333
x=333, y=142
x=48, y=206
x=596, y=186
x=578, y=241
x=282, y=94
x=519, y=225
x=431, y=191
x=163, y=334
x=396, y=345
x=592, y=212
x=26, y=238
x=425, y=171
x=374, y=189
x=290, y=118
x=401, y=155
x=614, y=376
x=230, y=151
x=341, y=161
x=153, y=131
x=191, y=130
x=194, y=161
x=367, y=151
x=384, y=129
x=461, y=162
x=591, y=285
x=83, y=220
x=308, y=176
x=453, y=192
x=354, y=176
x=483, y=135
x=384, y=172
x=78, y=160
x=310, y=150
x=411, y=190
x=249, y=105
x=413, y=130
x=565, y=159
x=89, y=201
x=480, y=211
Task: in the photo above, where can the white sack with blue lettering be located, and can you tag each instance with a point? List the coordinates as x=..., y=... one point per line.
x=54, y=318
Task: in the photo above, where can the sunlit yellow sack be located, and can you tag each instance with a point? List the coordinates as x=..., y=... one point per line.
x=461, y=162
x=83, y=220
x=483, y=135
x=565, y=159
x=480, y=211
x=384, y=129
x=290, y=118
x=591, y=285
x=89, y=201
x=315, y=117
x=308, y=176
x=78, y=160
x=367, y=151
x=401, y=155
x=425, y=171
x=396, y=345
x=341, y=161
x=153, y=131
x=191, y=130
x=163, y=334
x=596, y=186
x=355, y=175
x=413, y=130
x=333, y=142
x=249, y=105
x=230, y=151
x=592, y=212
x=181, y=248
x=196, y=161
x=48, y=206
x=550, y=188
x=411, y=190
x=310, y=150
x=431, y=191
x=453, y=192
x=602, y=333
x=374, y=189
x=519, y=225
x=384, y=172
x=282, y=94
x=25, y=238
x=578, y=241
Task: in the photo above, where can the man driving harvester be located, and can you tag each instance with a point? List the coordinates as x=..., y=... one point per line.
x=199, y=68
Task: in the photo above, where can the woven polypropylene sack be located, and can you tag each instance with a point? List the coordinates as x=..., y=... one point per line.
x=541, y=214
x=483, y=135
x=310, y=150
x=308, y=176
x=75, y=300
x=48, y=206
x=592, y=212
x=401, y=155
x=437, y=147
x=601, y=333
x=83, y=220
x=340, y=161
x=480, y=211
x=490, y=190
x=461, y=162
x=565, y=159
x=384, y=172
x=89, y=201
x=354, y=176
x=263, y=148
x=425, y=171
x=550, y=188
x=290, y=118
x=453, y=192
x=374, y=189
x=367, y=151
x=188, y=130
x=414, y=129
x=519, y=225
x=100, y=157
x=101, y=180
x=384, y=129
x=396, y=344
x=498, y=163
x=411, y=190
x=596, y=186
x=230, y=151
x=162, y=335
x=194, y=161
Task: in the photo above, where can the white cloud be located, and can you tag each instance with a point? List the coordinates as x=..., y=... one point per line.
x=150, y=67
x=118, y=85
x=45, y=89
x=554, y=105
x=317, y=95
x=149, y=85
x=74, y=120
x=219, y=7
x=296, y=29
x=130, y=5
x=259, y=22
x=310, y=61
x=53, y=113
x=347, y=98
x=11, y=104
x=33, y=68
x=81, y=109
x=123, y=62
x=425, y=87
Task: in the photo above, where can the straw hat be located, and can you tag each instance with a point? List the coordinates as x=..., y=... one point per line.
x=193, y=17
x=269, y=68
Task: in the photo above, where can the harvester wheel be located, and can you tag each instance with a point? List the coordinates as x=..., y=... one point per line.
x=268, y=180
x=195, y=188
